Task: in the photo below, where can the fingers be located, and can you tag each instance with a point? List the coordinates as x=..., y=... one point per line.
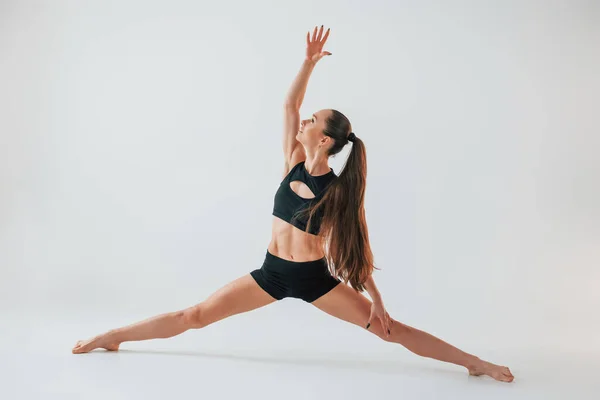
x=320, y=34
x=317, y=35
x=326, y=35
x=385, y=320
x=389, y=325
x=384, y=327
x=386, y=324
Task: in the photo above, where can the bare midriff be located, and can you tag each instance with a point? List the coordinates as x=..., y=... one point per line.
x=293, y=244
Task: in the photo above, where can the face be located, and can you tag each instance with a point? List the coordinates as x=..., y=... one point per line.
x=311, y=129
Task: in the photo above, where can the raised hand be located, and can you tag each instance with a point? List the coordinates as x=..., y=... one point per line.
x=314, y=46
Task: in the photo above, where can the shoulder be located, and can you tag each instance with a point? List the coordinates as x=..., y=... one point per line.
x=296, y=157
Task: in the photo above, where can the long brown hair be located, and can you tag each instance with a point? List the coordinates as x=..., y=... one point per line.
x=344, y=232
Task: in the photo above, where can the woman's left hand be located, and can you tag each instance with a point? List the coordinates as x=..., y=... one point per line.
x=378, y=310
x=314, y=46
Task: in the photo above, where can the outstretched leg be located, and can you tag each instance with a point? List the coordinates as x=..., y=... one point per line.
x=238, y=296
x=347, y=304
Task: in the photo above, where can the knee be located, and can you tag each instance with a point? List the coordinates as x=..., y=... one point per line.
x=398, y=331
x=192, y=317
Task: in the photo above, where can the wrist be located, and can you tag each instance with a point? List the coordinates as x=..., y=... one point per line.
x=309, y=63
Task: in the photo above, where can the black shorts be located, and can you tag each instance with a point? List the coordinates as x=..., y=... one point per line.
x=306, y=280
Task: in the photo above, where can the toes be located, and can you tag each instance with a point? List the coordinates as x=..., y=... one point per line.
x=78, y=347
x=507, y=375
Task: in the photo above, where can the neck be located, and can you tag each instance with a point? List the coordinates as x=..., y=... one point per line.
x=316, y=164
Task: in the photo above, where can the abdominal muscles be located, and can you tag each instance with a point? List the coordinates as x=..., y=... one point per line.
x=291, y=243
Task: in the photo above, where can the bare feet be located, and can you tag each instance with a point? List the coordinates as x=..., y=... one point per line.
x=84, y=346
x=497, y=372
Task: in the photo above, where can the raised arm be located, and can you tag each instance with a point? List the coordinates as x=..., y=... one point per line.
x=292, y=149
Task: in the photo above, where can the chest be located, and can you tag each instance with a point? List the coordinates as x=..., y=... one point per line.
x=295, y=194
x=299, y=190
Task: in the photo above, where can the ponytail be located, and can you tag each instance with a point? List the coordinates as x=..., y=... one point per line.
x=343, y=230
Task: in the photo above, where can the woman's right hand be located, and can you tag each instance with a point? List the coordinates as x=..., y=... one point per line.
x=314, y=46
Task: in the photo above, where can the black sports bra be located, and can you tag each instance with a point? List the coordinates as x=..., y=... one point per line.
x=287, y=202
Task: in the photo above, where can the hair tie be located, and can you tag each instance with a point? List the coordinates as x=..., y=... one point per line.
x=351, y=137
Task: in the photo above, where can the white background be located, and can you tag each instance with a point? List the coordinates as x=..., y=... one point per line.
x=140, y=149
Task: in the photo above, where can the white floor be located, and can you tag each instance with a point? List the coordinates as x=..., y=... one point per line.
x=265, y=360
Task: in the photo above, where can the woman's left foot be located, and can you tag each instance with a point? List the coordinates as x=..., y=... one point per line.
x=85, y=346
x=497, y=372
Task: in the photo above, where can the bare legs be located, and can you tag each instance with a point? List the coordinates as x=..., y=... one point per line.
x=345, y=303
x=244, y=294
x=241, y=295
x=157, y=327
x=427, y=345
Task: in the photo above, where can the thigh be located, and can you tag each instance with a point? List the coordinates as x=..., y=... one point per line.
x=349, y=305
x=241, y=295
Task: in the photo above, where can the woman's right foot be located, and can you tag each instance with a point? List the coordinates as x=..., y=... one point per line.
x=84, y=346
x=498, y=372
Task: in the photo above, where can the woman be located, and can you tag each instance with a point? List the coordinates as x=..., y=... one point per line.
x=319, y=224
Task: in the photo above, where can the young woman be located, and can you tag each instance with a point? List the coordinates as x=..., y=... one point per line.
x=319, y=239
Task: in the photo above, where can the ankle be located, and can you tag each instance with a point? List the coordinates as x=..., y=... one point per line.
x=112, y=337
x=473, y=362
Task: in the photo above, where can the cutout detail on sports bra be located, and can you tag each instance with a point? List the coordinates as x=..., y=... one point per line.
x=301, y=190
x=298, y=191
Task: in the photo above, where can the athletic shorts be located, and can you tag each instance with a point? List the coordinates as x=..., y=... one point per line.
x=305, y=280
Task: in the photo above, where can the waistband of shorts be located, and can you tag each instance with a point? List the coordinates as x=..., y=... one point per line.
x=273, y=257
